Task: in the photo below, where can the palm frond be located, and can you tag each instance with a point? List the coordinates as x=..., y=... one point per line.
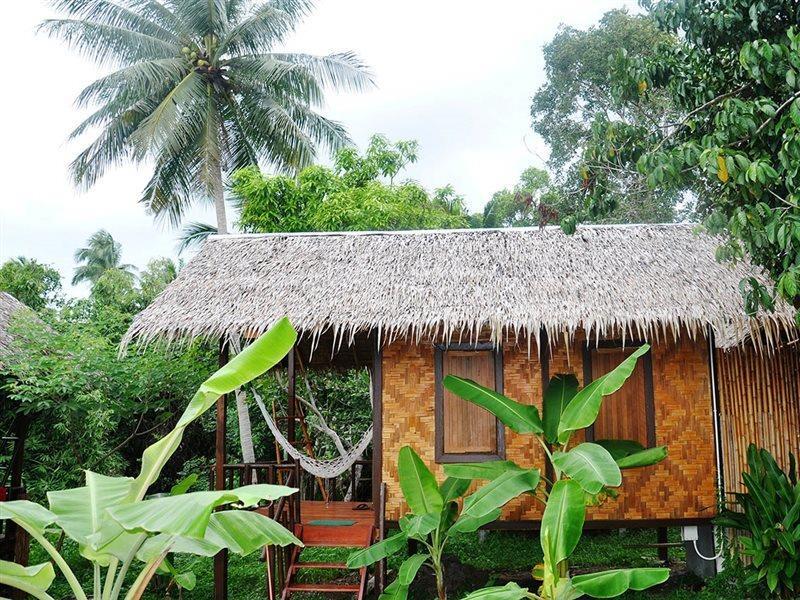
x=140, y=80
x=174, y=187
x=343, y=71
x=266, y=26
x=276, y=77
x=202, y=17
x=175, y=121
x=106, y=44
x=194, y=234
x=115, y=14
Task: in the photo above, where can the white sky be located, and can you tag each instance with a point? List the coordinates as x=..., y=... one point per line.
x=455, y=75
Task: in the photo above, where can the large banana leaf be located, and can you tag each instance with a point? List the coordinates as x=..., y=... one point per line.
x=398, y=589
x=645, y=458
x=27, y=514
x=590, y=465
x=562, y=521
x=610, y=584
x=240, y=531
x=509, y=591
x=188, y=514
x=583, y=409
x=419, y=526
x=498, y=492
x=620, y=448
x=482, y=470
x=454, y=487
x=378, y=551
x=522, y=418
x=559, y=392
x=36, y=578
x=260, y=356
x=468, y=524
x=81, y=511
x=418, y=484
x=630, y=454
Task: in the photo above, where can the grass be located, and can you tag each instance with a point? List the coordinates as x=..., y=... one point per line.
x=498, y=553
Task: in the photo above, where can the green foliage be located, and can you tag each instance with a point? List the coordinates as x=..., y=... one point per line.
x=576, y=91
x=435, y=517
x=735, y=139
x=32, y=283
x=527, y=204
x=89, y=406
x=358, y=194
x=198, y=89
x=584, y=475
x=156, y=276
x=769, y=513
x=115, y=526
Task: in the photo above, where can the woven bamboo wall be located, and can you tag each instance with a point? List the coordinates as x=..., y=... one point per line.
x=681, y=487
x=759, y=398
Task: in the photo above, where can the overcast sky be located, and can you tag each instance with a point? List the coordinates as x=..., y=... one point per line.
x=455, y=75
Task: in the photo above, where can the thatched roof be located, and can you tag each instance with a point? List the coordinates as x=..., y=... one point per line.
x=644, y=279
x=9, y=306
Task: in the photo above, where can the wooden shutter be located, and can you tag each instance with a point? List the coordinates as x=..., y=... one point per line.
x=468, y=429
x=624, y=414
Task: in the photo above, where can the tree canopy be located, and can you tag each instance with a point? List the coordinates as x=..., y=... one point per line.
x=733, y=80
x=359, y=193
x=30, y=282
x=578, y=91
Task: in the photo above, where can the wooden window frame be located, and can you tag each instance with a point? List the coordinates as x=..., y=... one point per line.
x=445, y=457
x=649, y=394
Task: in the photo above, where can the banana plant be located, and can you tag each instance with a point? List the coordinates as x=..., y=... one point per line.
x=584, y=475
x=119, y=529
x=436, y=515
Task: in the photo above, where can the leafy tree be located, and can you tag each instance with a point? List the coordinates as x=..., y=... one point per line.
x=102, y=253
x=733, y=79
x=530, y=202
x=30, y=282
x=200, y=91
x=156, y=276
x=358, y=194
x=578, y=88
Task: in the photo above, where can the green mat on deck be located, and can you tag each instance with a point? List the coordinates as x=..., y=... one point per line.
x=332, y=522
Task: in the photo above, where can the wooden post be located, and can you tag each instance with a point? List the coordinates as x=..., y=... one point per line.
x=221, y=558
x=291, y=388
x=377, y=428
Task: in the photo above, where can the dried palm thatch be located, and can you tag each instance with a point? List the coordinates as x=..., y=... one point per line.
x=640, y=280
x=9, y=306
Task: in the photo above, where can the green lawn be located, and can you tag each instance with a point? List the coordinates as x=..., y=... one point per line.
x=497, y=557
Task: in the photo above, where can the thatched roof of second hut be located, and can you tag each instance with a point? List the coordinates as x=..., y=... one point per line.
x=645, y=279
x=9, y=306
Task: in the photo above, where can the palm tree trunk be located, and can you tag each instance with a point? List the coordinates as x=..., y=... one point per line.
x=218, y=190
x=245, y=428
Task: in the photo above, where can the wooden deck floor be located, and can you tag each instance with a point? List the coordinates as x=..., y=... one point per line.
x=313, y=510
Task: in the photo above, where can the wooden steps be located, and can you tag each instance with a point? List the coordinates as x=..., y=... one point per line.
x=358, y=535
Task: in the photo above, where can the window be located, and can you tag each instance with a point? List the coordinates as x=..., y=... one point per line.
x=466, y=432
x=629, y=413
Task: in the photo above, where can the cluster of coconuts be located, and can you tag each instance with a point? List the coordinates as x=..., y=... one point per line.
x=191, y=55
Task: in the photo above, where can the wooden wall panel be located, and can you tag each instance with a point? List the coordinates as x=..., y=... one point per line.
x=681, y=487
x=759, y=398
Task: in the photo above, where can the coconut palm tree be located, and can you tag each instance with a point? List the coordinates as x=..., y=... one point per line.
x=199, y=90
x=102, y=253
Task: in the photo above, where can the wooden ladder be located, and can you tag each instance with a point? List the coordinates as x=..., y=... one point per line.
x=326, y=536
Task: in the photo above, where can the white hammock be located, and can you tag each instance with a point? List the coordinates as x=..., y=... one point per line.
x=319, y=468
